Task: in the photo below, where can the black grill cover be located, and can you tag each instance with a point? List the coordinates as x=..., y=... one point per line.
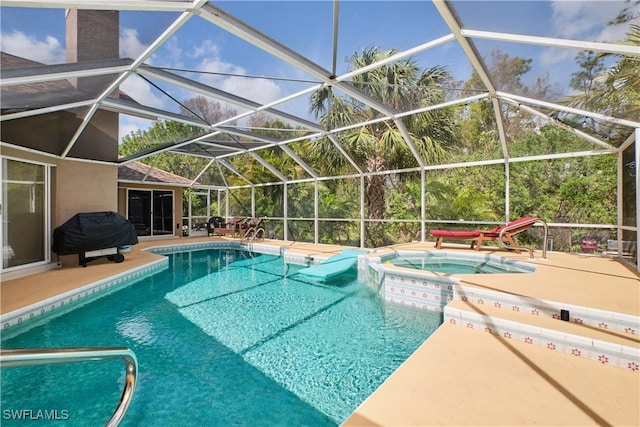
x=92, y=231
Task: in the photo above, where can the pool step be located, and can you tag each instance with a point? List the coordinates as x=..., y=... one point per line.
x=605, y=346
x=594, y=318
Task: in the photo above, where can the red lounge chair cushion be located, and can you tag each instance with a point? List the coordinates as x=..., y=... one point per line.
x=459, y=234
x=523, y=219
x=495, y=232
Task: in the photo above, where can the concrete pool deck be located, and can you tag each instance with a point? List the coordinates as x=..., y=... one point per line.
x=461, y=376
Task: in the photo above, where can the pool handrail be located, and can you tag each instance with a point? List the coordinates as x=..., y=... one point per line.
x=252, y=233
x=17, y=357
x=508, y=228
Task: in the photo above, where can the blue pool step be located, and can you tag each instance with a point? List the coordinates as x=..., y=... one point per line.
x=333, y=266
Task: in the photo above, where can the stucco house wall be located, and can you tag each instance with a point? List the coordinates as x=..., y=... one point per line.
x=76, y=186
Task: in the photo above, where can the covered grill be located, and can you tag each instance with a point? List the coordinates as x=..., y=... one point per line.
x=92, y=235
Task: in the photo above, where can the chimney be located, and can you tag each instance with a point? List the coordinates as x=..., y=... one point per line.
x=92, y=35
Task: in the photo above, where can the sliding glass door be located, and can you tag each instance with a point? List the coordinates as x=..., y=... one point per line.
x=151, y=211
x=24, y=213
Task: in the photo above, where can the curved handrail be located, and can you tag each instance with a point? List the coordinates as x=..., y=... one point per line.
x=508, y=228
x=246, y=234
x=253, y=232
x=257, y=233
x=44, y=356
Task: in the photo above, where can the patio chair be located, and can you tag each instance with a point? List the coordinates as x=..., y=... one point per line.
x=238, y=223
x=218, y=226
x=478, y=236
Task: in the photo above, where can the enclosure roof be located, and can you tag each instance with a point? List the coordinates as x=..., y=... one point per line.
x=268, y=59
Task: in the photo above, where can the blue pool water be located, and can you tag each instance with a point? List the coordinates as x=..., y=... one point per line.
x=457, y=264
x=222, y=338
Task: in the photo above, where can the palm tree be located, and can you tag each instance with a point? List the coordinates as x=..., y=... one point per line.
x=613, y=91
x=381, y=146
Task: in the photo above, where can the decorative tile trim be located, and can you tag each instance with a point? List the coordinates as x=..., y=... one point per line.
x=399, y=285
x=187, y=247
x=432, y=292
x=415, y=288
x=69, y=300
x=41, y=311
x=372, y=276
x=587, y=348
x=262, y=248
x=295, y=258
x=602, y=319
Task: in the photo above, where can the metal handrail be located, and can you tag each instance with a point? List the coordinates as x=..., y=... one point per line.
x=43, y=356
x=254, y=233
x=506, y=229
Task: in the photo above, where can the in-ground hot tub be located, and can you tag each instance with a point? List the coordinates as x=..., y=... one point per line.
x=431, y=279
x=457, y=263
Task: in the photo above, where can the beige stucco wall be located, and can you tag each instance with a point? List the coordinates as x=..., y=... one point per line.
x=84, y=187
x=76, y=186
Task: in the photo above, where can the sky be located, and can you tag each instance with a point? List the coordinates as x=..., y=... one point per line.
x=306, y=27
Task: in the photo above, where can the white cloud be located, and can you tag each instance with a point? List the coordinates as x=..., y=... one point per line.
x=587, y=20
x=259, y=90
x=169, y=55
x=229, y=77
x=47, y=51
x=572, y=19
x=206, y=48
x=215, y=67
x=130, y=44
x=613, y=33
x=551, y=56
x=140, y=90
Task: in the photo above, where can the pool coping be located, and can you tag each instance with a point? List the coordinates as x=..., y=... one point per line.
x=15, y=321
x=66, y=301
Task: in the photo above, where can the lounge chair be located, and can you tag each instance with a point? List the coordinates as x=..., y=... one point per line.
x=478, y=236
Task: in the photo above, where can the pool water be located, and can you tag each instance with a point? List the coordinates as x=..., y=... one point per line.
x=448, y=263
x=222, y=338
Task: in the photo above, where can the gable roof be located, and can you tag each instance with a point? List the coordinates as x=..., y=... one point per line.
x=139, y=172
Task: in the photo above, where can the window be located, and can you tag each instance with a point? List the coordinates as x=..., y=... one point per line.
x=151, y=211
x=24, y=214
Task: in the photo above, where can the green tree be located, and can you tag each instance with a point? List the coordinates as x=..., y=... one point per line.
x=507, y=74
x=381, y=146
x=575, y=190
x=166, y=133
x=613, y=90
x=592, y=65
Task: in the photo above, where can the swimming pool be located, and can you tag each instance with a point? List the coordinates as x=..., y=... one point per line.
x=222, y=337
x=458, y=263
